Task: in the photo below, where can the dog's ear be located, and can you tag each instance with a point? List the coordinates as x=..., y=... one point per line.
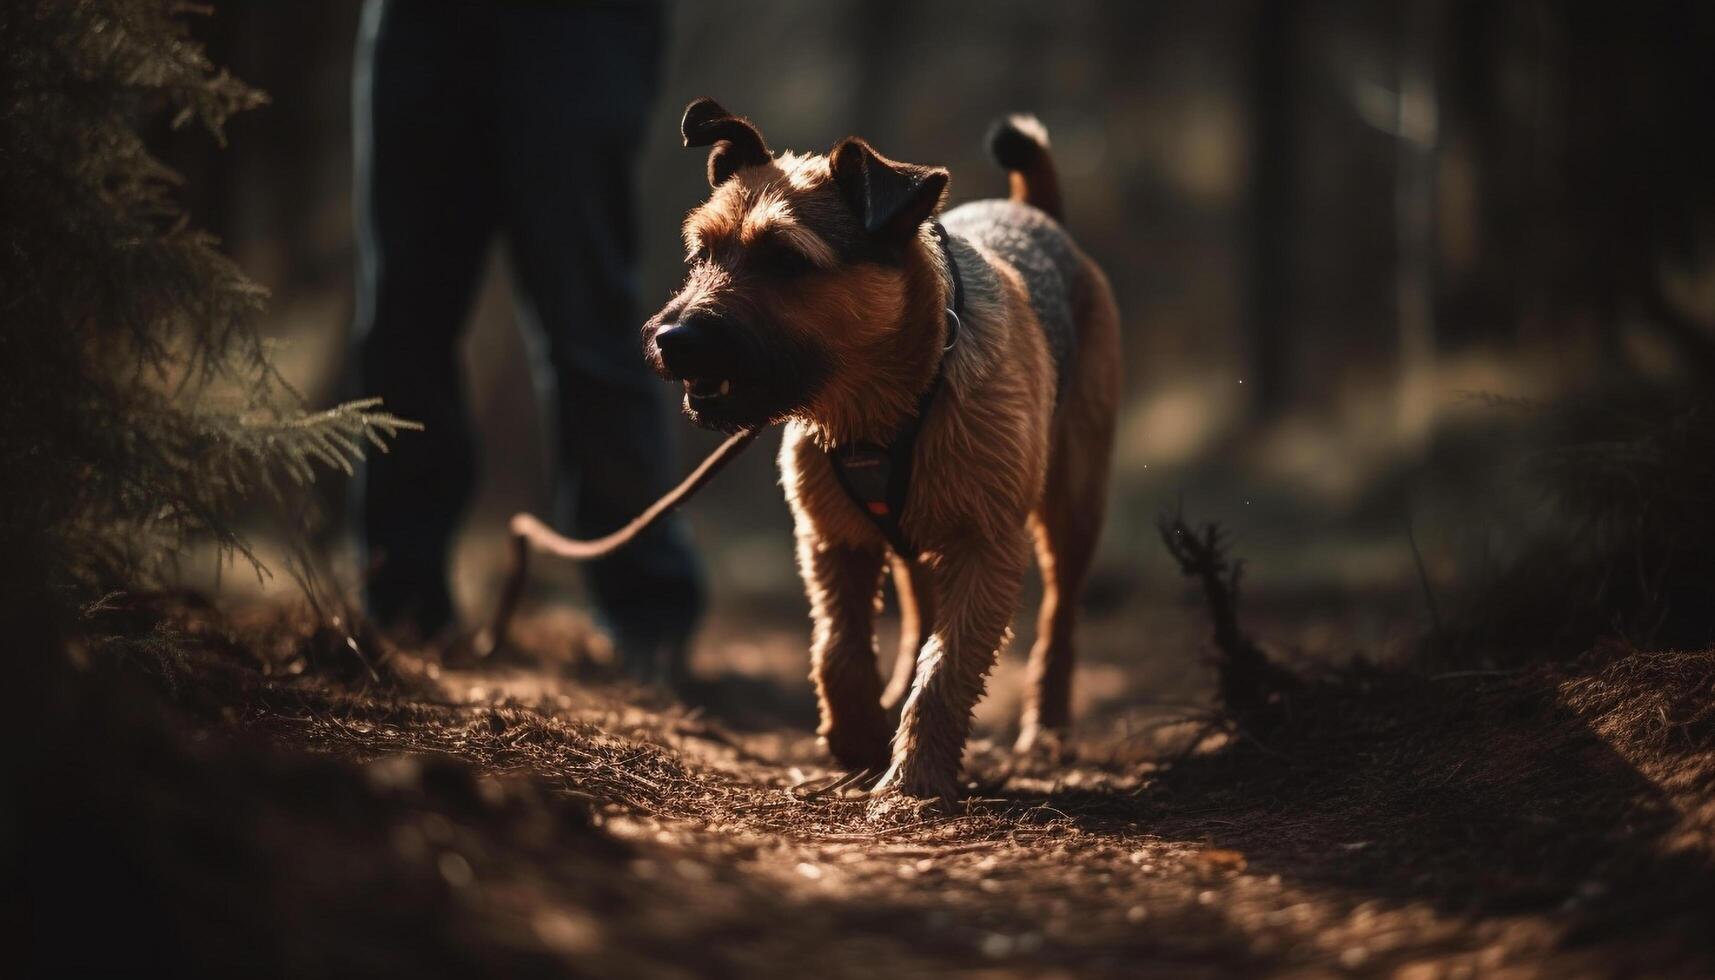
x=890, y=198
x=737, y=142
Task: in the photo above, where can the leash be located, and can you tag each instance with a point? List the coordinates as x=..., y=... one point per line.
x=529, y=533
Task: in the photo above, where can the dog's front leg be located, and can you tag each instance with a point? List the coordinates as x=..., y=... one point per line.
x=844, y=583
x=975, y=586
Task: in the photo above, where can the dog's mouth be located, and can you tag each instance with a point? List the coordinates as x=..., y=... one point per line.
x=746, y=385
x=729, y=404
x=722, y=403
x=707, y=392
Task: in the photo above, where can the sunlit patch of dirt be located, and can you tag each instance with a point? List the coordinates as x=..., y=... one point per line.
x=542, y=817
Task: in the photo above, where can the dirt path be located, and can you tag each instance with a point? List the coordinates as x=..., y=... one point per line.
x=516, y=821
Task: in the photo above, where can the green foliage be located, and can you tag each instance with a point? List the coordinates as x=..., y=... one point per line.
x=139, y=410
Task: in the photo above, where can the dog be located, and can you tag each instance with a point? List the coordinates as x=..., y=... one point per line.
x=948, y=385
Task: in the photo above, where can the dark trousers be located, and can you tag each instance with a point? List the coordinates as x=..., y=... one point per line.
x=521, y=120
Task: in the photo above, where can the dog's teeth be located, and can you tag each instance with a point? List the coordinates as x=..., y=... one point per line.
x=726, y=386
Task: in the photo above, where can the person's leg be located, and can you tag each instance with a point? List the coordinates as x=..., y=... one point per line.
x=577, y=83
x=425, y=216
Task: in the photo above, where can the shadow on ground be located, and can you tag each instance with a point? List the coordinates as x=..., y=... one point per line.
x=1582, y=797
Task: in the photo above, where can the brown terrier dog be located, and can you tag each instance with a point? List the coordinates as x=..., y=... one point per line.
x=948, y=390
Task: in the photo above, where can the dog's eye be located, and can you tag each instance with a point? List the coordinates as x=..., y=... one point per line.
x=780, y=261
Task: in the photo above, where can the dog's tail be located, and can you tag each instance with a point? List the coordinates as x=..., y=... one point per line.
x=1019, y=143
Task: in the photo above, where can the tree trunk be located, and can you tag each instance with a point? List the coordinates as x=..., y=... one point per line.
x=1269, y=272
x=1418, y=135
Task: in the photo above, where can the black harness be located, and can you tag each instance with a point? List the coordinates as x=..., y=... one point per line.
x=878, y=477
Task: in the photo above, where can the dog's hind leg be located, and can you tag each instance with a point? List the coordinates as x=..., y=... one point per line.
x=916, y=613
x=844, y=584
x=1065, y=527
x=1068, y=521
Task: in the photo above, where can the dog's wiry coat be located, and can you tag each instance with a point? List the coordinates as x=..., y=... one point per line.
x=1013, y=452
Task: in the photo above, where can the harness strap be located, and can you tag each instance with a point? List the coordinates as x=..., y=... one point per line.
x=878, y=476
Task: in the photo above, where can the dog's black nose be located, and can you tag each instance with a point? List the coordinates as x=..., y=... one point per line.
x=692, y=347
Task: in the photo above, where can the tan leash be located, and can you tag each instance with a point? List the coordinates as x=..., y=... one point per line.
x=529, y=533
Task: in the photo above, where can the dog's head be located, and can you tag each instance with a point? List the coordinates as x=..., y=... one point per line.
x=796, y=269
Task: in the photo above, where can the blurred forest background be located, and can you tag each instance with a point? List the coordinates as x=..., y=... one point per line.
x=1419, y=304
x=1362, y=250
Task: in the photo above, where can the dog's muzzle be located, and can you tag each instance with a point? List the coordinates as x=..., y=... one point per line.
x=735, y=374
x=705, y=353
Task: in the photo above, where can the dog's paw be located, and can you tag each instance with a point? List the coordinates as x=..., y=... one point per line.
x=888, y=807
x=911, y=793
x=1040, y=742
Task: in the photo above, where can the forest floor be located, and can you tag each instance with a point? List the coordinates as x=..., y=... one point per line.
x=291, y=811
